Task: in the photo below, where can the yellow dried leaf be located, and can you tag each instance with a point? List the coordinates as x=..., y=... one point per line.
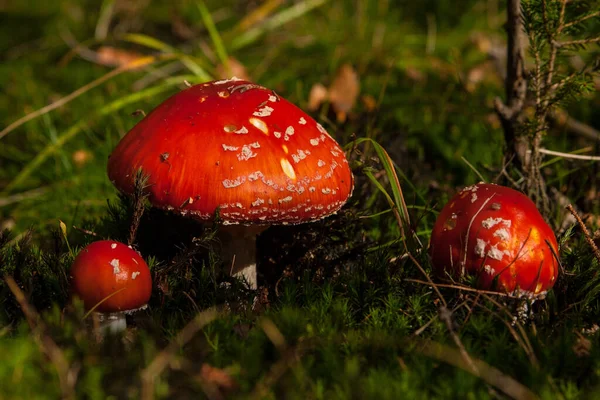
x=63, y=228
x=217, y=377
x=317, y=96
x=344, y=91
x=114, y=57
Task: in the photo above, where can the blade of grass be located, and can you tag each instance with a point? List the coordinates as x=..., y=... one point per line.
x=214, y=35
x=149, y=42
x=141, y=62
x=277, y=20
x=257, y=15
x=195, y=65
x=78, y=127
x=388, y=166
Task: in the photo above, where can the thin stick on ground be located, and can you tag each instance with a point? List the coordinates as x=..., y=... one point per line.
x=139, y=196
x=585, y=231
x=479, y=368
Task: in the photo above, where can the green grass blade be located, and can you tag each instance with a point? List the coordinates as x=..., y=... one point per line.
x=398, y=201
x=70, y=133
x=149, y=42
x=281, y=18
x=214, y=35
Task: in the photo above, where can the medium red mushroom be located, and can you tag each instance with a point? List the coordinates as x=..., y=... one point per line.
x=112, y=279
x=238, y=148
x=497, y=235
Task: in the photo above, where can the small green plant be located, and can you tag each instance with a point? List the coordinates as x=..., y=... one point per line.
x=556, y=31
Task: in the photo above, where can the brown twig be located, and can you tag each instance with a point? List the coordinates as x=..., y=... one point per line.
x=572, y=125
x=585, y=231
x=67, y=374
x=85, y=231
x=479, y=368
x=577, y=42
x=139, y=197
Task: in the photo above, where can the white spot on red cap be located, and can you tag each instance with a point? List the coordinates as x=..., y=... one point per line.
x=260, y=125
x=502, y=234
x=230, y=148
x=288, y=132
x=490, y=222
x=135, y=274
x=115, y=264
x=321, y=129
x=285, y=200
x=480, y=247
x=263, y=112
x=300, y=155
x=231, y=183
x=320, y=163
x=247, y=152
x=314, y=142
x=489, y=270
x=497, y=254
x=113, y=246
x=242, y=131
x=302, y=121
x=255, y=176
x=272, y=98
x=287, y=168
x=257, y=202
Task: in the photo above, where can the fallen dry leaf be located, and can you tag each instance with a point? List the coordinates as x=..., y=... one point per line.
x=415, y=75
x=217, y=377
x=369, y=102
x=81, y=157
x=317, y=96
x=582, y=346
x=114, y=57
x=236, y=69
x=344, y=91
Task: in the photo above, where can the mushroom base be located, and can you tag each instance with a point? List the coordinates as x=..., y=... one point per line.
x=238, y=251
x=111, y=323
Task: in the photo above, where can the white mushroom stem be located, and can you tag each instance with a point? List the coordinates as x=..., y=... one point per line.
x=238, y=251
x=111, y=323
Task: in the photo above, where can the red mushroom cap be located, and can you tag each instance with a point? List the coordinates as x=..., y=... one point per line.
x=238, y=147
x=108, y=268
x=496, y=234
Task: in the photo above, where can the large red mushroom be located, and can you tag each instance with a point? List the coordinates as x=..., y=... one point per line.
x=497, y=235
x=238, y=148
x=112, y=279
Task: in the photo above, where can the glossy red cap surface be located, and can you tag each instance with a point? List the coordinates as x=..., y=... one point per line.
x=108, y=268
x=238, y=147
x=496, y=234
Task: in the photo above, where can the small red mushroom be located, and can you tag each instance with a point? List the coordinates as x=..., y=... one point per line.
x=112, y=279
x=497, y=235
x=238, y=148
